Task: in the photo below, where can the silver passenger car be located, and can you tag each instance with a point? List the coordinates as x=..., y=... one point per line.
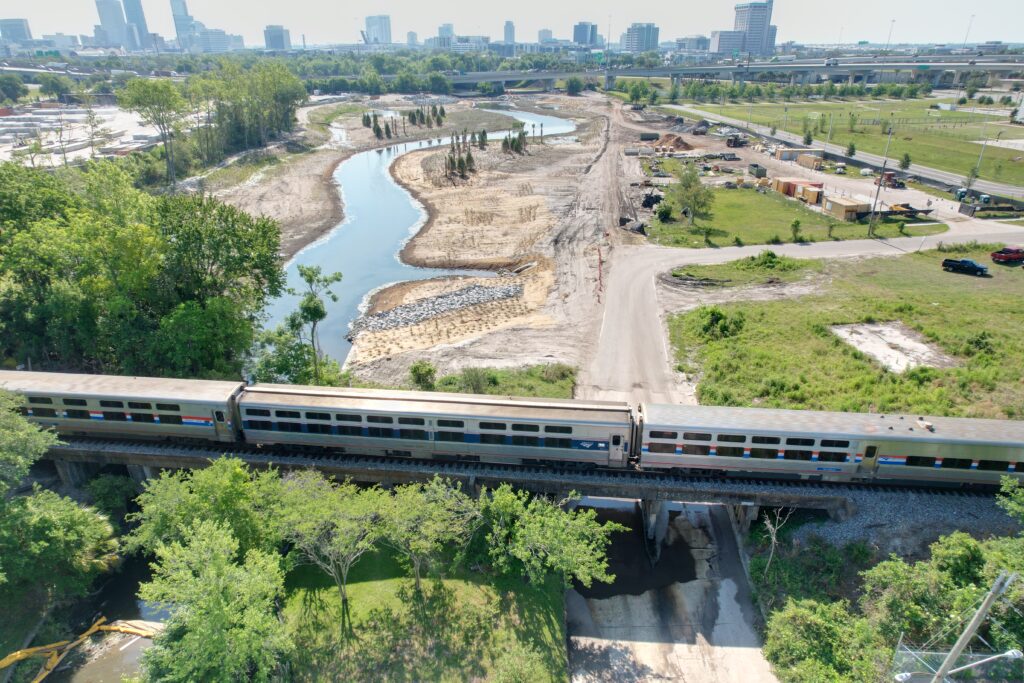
x=830, y=446
x=420, y=424
x=146, y=407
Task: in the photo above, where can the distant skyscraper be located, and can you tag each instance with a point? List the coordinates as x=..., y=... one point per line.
x=411, y=39
x=584, y=33
x=15, y=30
x=755, y=20
x=510, y=32
x=277, y=38
x=446, y=31
x=184, y=24
x=545, y=35
x=378, y=29
x=112, y=20
x=641, y=38
x=137, y=20
x=728, y=43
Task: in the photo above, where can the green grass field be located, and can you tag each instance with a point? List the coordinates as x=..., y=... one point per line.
x=783, y=354
x=949, y=143
x=757, y=218
x=469, y=627
x=761, y=269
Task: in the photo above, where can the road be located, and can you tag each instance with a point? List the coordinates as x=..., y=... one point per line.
x=988, y=186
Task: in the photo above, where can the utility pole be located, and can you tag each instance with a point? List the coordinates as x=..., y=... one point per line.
x=829, y=138
x=881, y=181
x=1003, y=582
x=889, y=39
x=969, y=24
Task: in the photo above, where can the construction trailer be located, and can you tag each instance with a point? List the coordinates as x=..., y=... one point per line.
x=788, y=186
x=809, y=194
x=793, y=153
x=845, y=208
x=810, y=161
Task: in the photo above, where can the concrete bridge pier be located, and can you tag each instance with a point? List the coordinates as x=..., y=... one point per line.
x=655, y=519
x=140, y=473
x=609, y=80
x=75, y=474
x=744, y=516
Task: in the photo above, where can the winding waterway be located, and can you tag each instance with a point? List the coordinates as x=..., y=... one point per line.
x=380, y=217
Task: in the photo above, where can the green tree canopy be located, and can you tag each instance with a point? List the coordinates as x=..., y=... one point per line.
x=160, y=104
x=12, y=88
x=21, y=443
x=692, y=196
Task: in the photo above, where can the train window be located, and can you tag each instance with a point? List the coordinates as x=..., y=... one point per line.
x=831, y=443
x=74, y=402
x=379, y=432
x=920, y=461
x=690, y=449
x=140, y=406
x=40, y=400
x=326, y=417
x=769, y=453
x=451, y=437
x=492, y=438
x=656, y=447
x=956, y=463
x=451, y=423
x=290, y=414
x=142, y=417
x=550, y=442
x=112, y=404
x=169, y=407
x=414, y=434
x=218, y=415
x=730, y=451
x=411, y=421
x=663, y=435
x=766, y=439
x=265, y=425
x=799, y=441
x=993, y=465
x=525, y=428
x=316, y=428
x=380, y=419
x=558, y=429
x=696, y=436
x=115, y=417
x=798, y=455
x=732, y=438
x=617, y=440
x=832, y=457
x=289, y=426
x=44, y=412
x=518, y=440
x=82, y=414
x=345, y=417
x=345, y=430
x=496, y=426
x=175, y=420
x=257, y=412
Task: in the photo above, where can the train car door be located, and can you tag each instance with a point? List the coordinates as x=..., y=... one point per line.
x=616, y=450
x=222, y=426
x=869, y=463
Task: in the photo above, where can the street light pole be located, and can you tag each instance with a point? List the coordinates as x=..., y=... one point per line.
x=1003, y=582
x=880, y=181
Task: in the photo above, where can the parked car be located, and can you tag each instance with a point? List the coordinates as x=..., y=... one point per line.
x=1008, y=255
x=966, y=266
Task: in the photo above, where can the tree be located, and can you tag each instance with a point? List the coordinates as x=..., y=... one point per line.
x=424, y=375
x=794, y=229
x=223, y=623
x=673, y=93
x=808, y=138
x=421, y=520
x=227, y=492
x=312, y=310
x=664, y=212
x=773, y=523
x=574, y=86
x=470, y=162
x=482, y=139
x=691, y=195
x=851, y=122
x=851, y=149
x=159, y=102
x=971, y=176
x=462, y=166
x=12, y=89
x=331, y=525
x=55, y=86
x=111, y=493
x=652, y=97
x=21, y=444
x=905, y=161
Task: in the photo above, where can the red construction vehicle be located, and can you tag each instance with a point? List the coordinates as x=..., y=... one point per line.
x=889, y=179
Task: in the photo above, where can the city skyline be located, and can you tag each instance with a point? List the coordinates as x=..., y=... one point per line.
x=324, y=23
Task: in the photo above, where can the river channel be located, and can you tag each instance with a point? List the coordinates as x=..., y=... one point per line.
x=380, y=217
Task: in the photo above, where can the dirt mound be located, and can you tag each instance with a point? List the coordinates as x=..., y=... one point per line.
x=674, y=141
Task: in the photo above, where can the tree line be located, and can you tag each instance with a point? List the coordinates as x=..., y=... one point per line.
x=640, y=90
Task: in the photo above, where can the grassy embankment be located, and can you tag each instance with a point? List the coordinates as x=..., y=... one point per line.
x=756, y=218
x=783, y=354
x=947, y=140
x=470, y=628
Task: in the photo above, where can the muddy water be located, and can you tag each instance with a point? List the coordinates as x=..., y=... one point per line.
x=380, y=216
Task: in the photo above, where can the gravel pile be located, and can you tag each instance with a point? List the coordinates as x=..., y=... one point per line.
x=906, y=522
x=424, y=309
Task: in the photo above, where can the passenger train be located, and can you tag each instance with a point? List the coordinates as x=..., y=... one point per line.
x=503, y=429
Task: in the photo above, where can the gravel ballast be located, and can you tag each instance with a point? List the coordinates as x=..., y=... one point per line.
x=431, y=307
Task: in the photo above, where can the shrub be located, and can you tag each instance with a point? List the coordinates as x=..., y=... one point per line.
x=664, y=212
x=110, y=494
x=424, y=375
x=711, y=322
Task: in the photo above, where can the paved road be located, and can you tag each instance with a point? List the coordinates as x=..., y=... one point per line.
x=988, y=186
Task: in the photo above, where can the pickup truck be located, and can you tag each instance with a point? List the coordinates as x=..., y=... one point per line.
x=966, y=266
x=1008, y=255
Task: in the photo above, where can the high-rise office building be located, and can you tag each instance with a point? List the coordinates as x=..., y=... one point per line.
x=729, y=43
x=184, y=24
x=15, y=30
x=137, y=23
x=584, y=33
x=112, y=20
x=277, y=38
x=754, y=19
x=378, y=29
x=446, y=31
x=693, y=43
x=411, y=39
x=214, y=41
x=640, y=38
x=545, y=35
x=510, y=32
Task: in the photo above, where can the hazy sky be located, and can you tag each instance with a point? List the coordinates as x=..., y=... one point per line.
x=330, y=21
